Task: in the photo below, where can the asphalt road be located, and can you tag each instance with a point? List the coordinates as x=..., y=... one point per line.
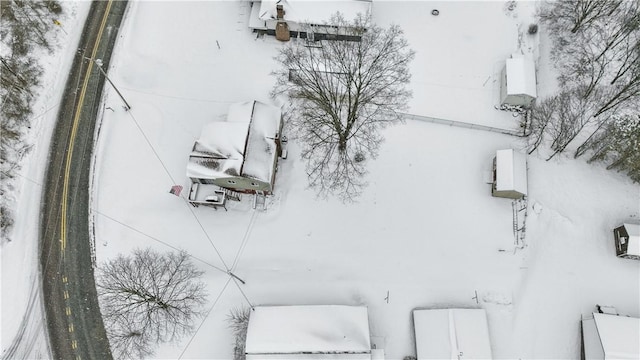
x=74, y=323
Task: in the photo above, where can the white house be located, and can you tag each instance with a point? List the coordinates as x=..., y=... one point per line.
x=627, y=239
x=451, y=334
x=308, y=332
x=240, y=154
x=298, y=16
x=606, y=336
x=518, y=81
x=509, y=174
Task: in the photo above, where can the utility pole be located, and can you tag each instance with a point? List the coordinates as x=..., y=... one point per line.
x=99, y=65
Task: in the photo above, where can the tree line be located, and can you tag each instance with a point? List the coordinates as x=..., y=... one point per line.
x=25, y=31
x=596, y=50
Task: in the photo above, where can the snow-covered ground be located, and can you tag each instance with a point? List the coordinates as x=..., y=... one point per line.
x=426, y=232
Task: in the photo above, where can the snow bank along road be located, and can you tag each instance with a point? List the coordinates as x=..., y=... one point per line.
x=74, y=323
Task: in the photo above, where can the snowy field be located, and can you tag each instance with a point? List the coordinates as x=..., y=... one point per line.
x=426, y=232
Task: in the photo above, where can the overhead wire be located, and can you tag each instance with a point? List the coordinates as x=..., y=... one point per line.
x=174, y=182
x=205, y=317
x=245, y=239
x=228, y=270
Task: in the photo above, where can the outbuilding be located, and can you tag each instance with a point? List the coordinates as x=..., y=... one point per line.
x=606, y=336
x=451, y=334
x=509, y=174
x=306, y=19
x=239, y=154
x=308, y=332
x=518, y=82
x=627, y=238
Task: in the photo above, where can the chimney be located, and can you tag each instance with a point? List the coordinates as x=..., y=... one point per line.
x=280, y=12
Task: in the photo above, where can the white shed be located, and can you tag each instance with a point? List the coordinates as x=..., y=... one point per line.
x=308, y=332
x=608, y=336
x=509, y=174
x=518, y=85
x=451, y=334
x=627, y=239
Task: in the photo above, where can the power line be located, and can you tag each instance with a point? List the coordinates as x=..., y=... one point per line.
x=205, y=318
x=245, y=239
x=178, y=97
x=158, y=240
x=137, y=230
x=174, y=182
x=228, y=270
x=242, y=292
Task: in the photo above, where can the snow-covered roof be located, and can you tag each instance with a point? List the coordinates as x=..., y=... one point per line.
x=452, y=334
x=611, y=337
x=633, y=248
x=243, y=145
x=511, y=171
x=521, y=76
x=312, y=329
x=261, y=145
x=314, y=11
x=219, y=152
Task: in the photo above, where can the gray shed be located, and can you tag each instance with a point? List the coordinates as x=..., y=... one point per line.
x=627, y=238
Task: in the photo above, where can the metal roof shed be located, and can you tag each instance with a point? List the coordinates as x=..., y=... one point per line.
x=451, y=334
x=608, y=336
x=308, y=332
x=627, y=238
x=509, y=174
x=518, y=85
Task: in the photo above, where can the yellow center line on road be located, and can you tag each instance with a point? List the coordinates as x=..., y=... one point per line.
x=74, y=130
x=68, y=311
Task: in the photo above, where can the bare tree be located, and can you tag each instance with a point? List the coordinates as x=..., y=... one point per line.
x=542, y=115
x=596, y=48
x=578, y=14
x=558, y=120
x=343, y=92
x=148, y=298
x=24, y=26
x=238, y=320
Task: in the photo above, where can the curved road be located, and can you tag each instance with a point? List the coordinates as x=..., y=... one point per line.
x=74, y=323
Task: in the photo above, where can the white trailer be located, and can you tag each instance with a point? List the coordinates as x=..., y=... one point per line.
x=451, y=334
x=607, y=337
x=308, y=332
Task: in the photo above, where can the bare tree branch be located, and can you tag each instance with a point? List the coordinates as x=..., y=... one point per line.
x=149, y=298
x=342, y=93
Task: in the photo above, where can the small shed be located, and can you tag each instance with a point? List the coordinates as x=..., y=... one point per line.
x=518, y=82
x=606, y=336
x=627, y=238
x=239, y=154
x=509, y=174
x=451, y=334
x=308, y=332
